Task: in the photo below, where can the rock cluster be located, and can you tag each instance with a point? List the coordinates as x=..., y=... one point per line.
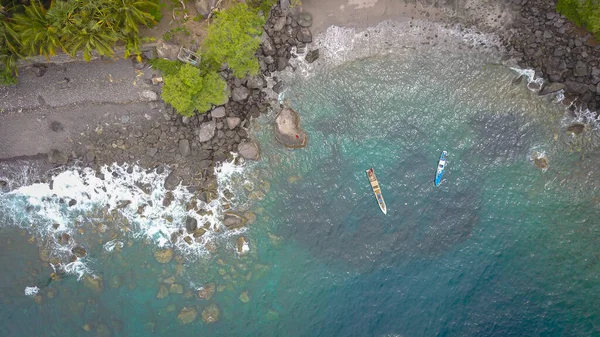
x=566, y=56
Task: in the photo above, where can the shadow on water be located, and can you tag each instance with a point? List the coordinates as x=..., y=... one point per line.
x=422, y=221
x=499, y=138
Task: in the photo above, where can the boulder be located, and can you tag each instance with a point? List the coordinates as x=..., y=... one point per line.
x=191, y=224
x=167, y=50
x=163, y=255
x=57, y=157
x=152, y=151
x=256, y=82
x=184, y=147
x=187, y=315
x=551, y=88
x=304, y=19
x=79, y=251
x=267, y=45
x=93, y=282
x=207, y=291
x=249, y=150
x=203, y=6
x=312, y=56
x=207, y=131
x=233, y=220
x=304, y=35
x=287, y=129
x=240, y=93
x=149, y=95
x=580, y=69
x=211, y=313
x=282, y=62
x=279, y=24
x=218, y=112
x=233, y=122
x=242, y=246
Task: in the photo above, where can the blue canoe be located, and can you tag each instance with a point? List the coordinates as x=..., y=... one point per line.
x=440, y=168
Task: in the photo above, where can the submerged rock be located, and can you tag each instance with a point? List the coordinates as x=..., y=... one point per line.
x=163, y=292
x=242, y=246
x=79, y=251
x=245, y=297
x=576, y=128
x=541, y=161
x=207, y=292
x=233, y=220
x=93, y=282
x=163, y=255
x=211, y=313
x=287, y=129
x=187, y=315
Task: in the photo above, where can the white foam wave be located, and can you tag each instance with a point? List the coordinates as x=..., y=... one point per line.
x=533, y=83
x=119, y=200
x=31, y=291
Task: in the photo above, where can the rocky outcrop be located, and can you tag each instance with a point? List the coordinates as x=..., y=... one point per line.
x=567, y=57
x=249, y=150
x=287, y=129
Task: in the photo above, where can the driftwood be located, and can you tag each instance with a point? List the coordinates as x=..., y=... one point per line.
x=212, y=10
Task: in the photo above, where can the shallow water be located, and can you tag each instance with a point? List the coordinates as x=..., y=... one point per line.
x=500, y=248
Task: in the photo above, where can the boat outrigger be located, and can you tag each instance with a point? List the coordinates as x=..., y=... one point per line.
x=440, y=168
x=376, y=189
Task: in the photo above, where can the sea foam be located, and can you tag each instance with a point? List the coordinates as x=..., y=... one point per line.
x=78, y=205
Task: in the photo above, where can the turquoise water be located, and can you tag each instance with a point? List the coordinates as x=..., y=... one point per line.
x=500, y=248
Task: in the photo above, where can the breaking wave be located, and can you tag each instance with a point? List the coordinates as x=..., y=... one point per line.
x=78, y=207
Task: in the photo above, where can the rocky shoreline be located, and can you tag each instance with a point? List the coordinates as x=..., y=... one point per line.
x=567, y=57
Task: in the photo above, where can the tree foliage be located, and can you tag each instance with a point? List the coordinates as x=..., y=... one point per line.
x=188, y=90
x=73, y=26
x=584, y=13
x=234, y=38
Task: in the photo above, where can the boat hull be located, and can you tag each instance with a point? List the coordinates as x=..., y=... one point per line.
x=440, y=169
x=376, y=190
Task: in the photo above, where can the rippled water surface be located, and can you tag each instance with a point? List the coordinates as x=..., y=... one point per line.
x=500, y=248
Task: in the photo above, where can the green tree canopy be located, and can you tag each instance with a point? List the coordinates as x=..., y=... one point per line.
x=187, y=90
x=584, y=13
x=234, y=38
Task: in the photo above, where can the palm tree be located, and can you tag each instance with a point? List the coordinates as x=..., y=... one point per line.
x=89, y=38
x=130, y=14
x=38, y=35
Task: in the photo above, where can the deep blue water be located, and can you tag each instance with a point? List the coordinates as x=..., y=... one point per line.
x=500, y=248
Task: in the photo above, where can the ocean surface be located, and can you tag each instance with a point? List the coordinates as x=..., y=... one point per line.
x=500, y=248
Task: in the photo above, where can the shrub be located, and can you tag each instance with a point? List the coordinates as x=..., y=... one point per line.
x=584, y=13
x=167, y=67
x=233, y=38
x=188, y=91
x=7, y=78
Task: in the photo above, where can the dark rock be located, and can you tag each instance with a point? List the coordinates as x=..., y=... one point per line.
x=169, y=197
x=279, y=24
x=304, y=19
x=576, y=128
x=256, y=82
x=191, y=224
x=312, y=56
x=576, y=87
x=233, y=220
x=269, y=60
x=152, y=151
x=172, y=181
x=278, y=87
x=56, y=126
x=184, y=147
x=218, y=112
x=207, y=131
x=79, y=251
x=233, y=122
x=72, y=202
x=282, y=62
x=267, y=45
x=551, y=88
x=249, y=150
x=240, y=94
x=581, y=69
x=304, y=35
